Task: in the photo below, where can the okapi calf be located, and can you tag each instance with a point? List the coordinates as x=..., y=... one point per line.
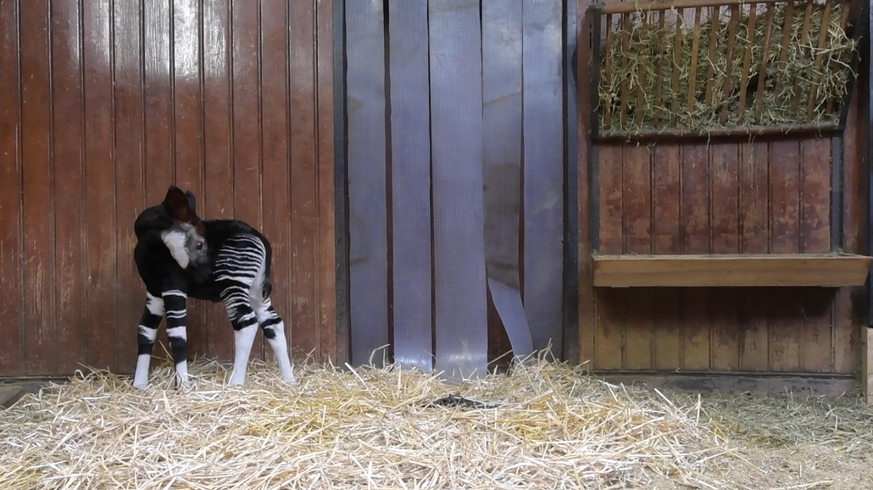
x=178, y=256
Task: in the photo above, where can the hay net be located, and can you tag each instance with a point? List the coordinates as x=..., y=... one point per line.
x=701, y=68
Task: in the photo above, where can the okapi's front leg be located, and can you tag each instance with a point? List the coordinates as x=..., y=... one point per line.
x=145, y=338
x=175, y=301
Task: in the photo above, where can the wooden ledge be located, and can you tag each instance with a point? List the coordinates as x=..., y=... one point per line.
x=823, y=270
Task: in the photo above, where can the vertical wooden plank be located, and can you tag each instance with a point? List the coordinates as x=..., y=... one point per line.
x=247, y=150
x=368, y=246
x=327, y=263
x=816, y=330
x=611, y=207
x=754, y=238
x=723, y=302
x=188, y=133
x=11, y=250
x=586, y=295
x=785, y=307
x=459, y=249
x=276, y=178
x=610, y=303
x=67, y=140
x=129, y=183
x=39, y=318
x=100, y=181
x=410, y=167
x=637, y=190
x=694, y=232
x=666, y=170
x=304, y=178
x=158, y=93
x=543, y=171
x=218, y=154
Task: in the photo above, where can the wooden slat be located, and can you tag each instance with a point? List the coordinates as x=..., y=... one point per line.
x=692, y=77
x=711, y=270
x=729, y=56
x=655, y=5
x=690, y=134
x=68, y=139
x=785, y=171
x=129, y=173
x=158, y=100
x=610, y=320
x=678, y=39
x=326, y=267
x=188, y=134
x=638, y=230
x=11, y=250
x=304, y=179
x=623, y=93
x=724, y=302
x=218, y=155
x=819, y=58
x=611, y=161
x=247, y=149
x=815, y=195
x=844, y=20
x=787, y=30
x=607, y=71
x=747, y=59
x=784, y=313
x=762, y=69
x=815, y=330
x=694, y=230
x=667, y=321
x=659, y=70
x=713, y=50
x=38, y=212
x=804, y=41
x=276, y=155
x=641, y=83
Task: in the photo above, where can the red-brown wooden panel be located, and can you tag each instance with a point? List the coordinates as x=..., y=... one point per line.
x=609, y=341
x=69, y=177
x=39, y=320
x=277, y=201
x=611, y=195
x=723, y=302
x=694, y=233
x=784, y=306
x=304, y=179
x=100, y=182
x=218, y=157
x=11, y=355
x=129, y=173
x=667, y=324
x=637, y=216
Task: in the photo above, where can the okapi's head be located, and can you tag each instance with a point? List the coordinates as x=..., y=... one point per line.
x=186, y=237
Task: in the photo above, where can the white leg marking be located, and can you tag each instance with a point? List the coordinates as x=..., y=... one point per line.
x=149, y=333
x=182, y=374
x=280, y=352
x=175, y=242
x=178, y=332
x=175, y=292
x=141, y=377
x=155, y=305
x=243, y=340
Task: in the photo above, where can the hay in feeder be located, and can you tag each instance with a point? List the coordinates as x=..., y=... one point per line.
x=641, y=60
x=552, y=427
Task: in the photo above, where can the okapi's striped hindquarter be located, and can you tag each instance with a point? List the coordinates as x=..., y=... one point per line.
x=180, y=256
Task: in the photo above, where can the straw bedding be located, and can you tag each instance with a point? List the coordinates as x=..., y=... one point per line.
x=547, y=425
x=647, y=59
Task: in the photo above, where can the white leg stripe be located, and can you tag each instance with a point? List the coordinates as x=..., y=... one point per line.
x=174, y=292
x=178, y=332
x=175, y=314
x=175, y=242
x=149, y=333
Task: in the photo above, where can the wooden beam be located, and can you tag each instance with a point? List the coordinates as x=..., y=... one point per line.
x=747, y=131
x=824, y=270
x=655, y=5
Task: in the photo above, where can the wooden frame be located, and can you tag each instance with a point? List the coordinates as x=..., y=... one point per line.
x=831, y=270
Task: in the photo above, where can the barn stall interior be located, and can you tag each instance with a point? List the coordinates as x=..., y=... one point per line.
x=342, y=95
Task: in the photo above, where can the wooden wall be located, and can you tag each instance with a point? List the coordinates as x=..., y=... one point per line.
x=103, y=105
x=729, y=196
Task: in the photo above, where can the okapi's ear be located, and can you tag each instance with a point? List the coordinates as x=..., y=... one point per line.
x=177, y=204
x=192, y=202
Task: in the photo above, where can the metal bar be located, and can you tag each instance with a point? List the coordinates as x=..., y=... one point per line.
x=593, y=163
x=340, y=184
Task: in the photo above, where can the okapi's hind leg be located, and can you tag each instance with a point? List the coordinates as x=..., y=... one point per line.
x=245, y=326
x=274, y=331
x=147, y=332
